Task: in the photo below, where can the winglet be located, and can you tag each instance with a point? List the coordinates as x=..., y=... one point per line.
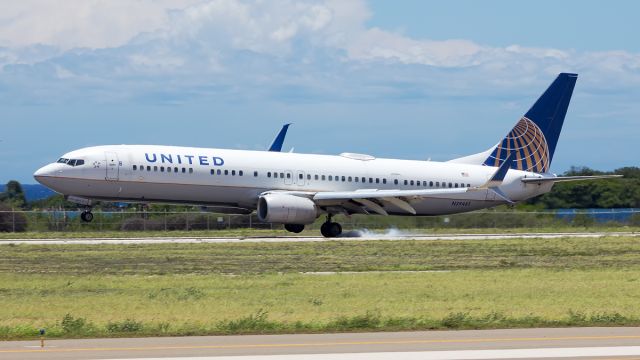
x=499, y=175
x=276, y=145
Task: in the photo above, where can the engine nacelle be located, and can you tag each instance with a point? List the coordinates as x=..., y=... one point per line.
x=286, y=209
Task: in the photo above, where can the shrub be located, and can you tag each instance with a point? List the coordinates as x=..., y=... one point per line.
x=140, y=224
x=71, y=325
x=12, y=221
x=126, y=326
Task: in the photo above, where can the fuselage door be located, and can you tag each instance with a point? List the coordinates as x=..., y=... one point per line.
x=113, y=165
x=288, y=177
x=300, y=179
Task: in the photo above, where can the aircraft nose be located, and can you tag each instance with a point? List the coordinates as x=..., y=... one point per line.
x=43, y=172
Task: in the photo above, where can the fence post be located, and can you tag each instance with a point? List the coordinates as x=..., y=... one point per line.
x=229, y=225
x=13, y=221
x=249, y=221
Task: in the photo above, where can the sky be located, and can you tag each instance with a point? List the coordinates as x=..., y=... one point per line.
x=401, y=79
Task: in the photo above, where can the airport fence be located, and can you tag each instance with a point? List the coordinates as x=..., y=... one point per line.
x=126, y=220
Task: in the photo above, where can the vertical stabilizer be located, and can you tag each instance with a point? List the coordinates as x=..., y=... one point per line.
x=535, y=136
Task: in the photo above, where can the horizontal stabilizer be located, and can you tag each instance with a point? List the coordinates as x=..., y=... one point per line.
x=568, y=178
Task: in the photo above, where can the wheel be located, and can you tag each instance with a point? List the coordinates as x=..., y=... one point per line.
x=294, y=228
x=331, y=229
x=336, y=229
x=324, y=229
x=86, y=216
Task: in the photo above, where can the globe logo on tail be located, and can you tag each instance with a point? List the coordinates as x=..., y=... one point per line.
x=529, y=144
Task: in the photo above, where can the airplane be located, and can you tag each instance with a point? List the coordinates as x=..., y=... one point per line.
x=295, y=189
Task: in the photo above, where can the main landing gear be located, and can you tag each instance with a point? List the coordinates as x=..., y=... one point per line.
x=330, y=229
x=294, y=228
x=86, y=215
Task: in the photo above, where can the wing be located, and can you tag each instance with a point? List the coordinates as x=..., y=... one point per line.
x=378, y=201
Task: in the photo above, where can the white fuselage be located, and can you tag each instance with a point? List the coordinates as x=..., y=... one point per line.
x=236, y=178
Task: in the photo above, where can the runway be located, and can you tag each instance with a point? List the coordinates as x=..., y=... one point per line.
x=349, y=236
x=609, y=343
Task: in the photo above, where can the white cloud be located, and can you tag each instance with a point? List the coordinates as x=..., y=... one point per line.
x=274, y=48
x=81, y=23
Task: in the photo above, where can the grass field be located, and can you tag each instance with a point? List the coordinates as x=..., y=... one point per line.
x=186, y=289
x=245, y=232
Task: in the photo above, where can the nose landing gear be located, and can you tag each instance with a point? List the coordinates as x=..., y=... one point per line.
x=330, y=229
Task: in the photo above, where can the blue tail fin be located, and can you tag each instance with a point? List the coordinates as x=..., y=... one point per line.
x=276, y=145
x=535, y=136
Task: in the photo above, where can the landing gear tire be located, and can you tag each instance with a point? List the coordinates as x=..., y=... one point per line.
x=331, y=229
x=86, y=216
x=294, y=228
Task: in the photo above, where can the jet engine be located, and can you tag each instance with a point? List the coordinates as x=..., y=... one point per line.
x=286, y=209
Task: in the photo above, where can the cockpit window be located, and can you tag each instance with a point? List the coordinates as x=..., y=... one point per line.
x=71, y=162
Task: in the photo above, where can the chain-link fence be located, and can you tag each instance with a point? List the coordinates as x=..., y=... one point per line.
x=62, y=220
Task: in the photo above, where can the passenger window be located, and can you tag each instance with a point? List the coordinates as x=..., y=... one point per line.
x=268, y=174
x=356, y=178
x=437, y=183
x=148, y=168
x=411, y=183
x=233, y=173
x=255, y=174
x=431, y=183
x=395, y=181
x=450, y=185
x=300, y=176
x=288, y=175
x=349, y=179
x=213, y=172
x=323, y=178
x=226, y=172
x=135, y=167
x=185, y=170
x=468, y=185
x=240, y=173
x=309, y=176
x=343, y=179
x=282, y=175
x=175, y=169
x=219, y=172
x=155, y=168
x=364, y=179
x=384, y=181
x=161, y=168
x=330, y=177
x=315, y=177
x=370, y=180
x=190, y=170
x=275, y=175
x=405, y=182
x=377, y=180
x=456, y=184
